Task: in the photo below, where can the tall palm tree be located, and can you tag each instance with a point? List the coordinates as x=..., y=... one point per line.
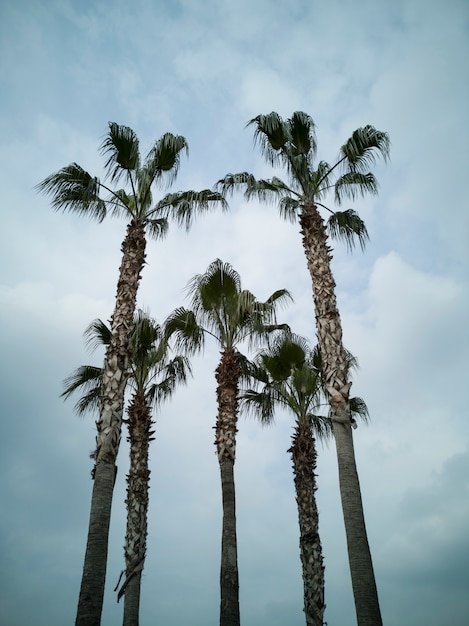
x=231, y=315
x=74, y=189
x=289, y=375
x=291, y=144
x=153, y=377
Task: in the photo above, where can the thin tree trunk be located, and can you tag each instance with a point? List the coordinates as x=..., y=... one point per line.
x=109, y=425
x=335, y=371
x=139, y=424
x=303, y=453
x=227, y=376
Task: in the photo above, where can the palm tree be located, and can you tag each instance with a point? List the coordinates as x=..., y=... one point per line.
x=290, y=376
x=74, y=189
x=291, y=143
x=153, y=377
x=222, y=310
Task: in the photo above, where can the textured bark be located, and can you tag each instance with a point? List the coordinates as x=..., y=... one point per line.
x=140, y=435
x=303, y=453
x=109, y=427
x=329, y=332
x=227, y=375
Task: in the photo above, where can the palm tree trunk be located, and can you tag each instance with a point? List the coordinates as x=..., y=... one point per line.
x=303, y=453
x=109, y=425
x=139, y=424
x=227, y=376
x=329, y=332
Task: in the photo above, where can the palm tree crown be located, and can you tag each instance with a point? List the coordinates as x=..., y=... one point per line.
x=72, y=188
x=292, y=144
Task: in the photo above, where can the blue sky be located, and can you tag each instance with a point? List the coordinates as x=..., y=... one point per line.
x=203, y=69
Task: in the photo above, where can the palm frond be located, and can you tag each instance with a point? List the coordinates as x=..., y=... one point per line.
x=353, y=184
x=182, y=328
x=358, y=408
x=348, y=226
x=121, y=146
x=271, y=134
x=288, y=209
x=321, y=426
x=232, y=182
x=73, y=189
x=157, y=228
x=98, y=333
x=302, y=135
x=88, y=380
x=183, y=205
x=362, y=149
x=163, y=160
x=271, y=190
x=260, y=404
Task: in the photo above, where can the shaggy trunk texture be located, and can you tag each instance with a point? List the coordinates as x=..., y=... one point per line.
x=227, y=376
x=329, y=332
x=109, y=425
x=138, y=480
x=303, y=453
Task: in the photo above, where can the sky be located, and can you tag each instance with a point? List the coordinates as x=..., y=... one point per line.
x=203, y=68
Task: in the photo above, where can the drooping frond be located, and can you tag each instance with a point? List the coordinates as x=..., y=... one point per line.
x=348, y=227
x=362, y=149
x=288, y=209
x=97, y=334
x=169, y=375
x=302, y=135
x=121, y=147
x=183, y=205
x=157, y=229
x=88, y=380
x=353, y=184
x=358, y=408
x=233, y=182
x=73, y=189
x=272, y=190
x=271, y=134
x=182, y=329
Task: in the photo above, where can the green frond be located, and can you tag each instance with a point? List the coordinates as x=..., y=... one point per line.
x=289, y=208
x=182, y=328
x=232, y=182
x=354, y=184
x=73, y=189
x=321, y=426
x=358, y=408
x=272, y=190
x=281, y=297
x=121, y=147
x=260, y=404
x=88, y=380
x=97, y=334
x=362, y=149
x=163, y=159
x=348, y=226
x=271, y=134
x=157, y=228
x=218, y=283
x=302, y=134
x=183, y=205
x=320, y=179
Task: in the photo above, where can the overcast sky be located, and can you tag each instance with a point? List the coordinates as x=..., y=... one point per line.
x=203, y=68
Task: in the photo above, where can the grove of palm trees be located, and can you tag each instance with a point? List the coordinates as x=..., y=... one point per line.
x=264, y=366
